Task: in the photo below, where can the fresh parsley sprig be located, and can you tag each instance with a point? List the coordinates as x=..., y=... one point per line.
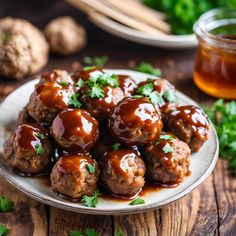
x=3, y=230
x=116, y=146
x=96, y=61
x=39, y=149
x=74, y=101
x=6, y=204
x=88, y=232
x=137, y=201
x=91, y=168
x=147, y=68
x=166, y=137
x=168, y=149
x=223, y=116
x=91, y=201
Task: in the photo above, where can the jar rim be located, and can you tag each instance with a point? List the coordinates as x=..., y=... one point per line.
x=211, y=18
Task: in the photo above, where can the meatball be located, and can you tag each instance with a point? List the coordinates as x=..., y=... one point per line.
x=166, y=91
x=23, y=48
x=127, y=84
x=135, y=121
x=50, y=97
x=75, y=130
x=122, y=171
x=24, y=117
x=85, y=74
x=190, y=125
x=28, y=149
x=65, y=36
x=167, y=159
x=75, y=175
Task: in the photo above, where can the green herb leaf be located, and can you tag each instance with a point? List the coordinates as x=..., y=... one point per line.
x=40, y=136
x=75, y=233
x=3, y=230
x=64, y=83
x=170, y=96
x=96, y=92
x=91, y=168
x=86, y=68
x=79, y=83
x=39, y=149
x=137, y=201
x=166, y=137
x=156, y=142
x=223, y=116
x=90, y=232
x=116, y=146
x=156, y=98
x=96, y=61
x=119, y=233
x=147, y=68
x=91, y=201
x=74, y=101
x=107, y=79
x=145, y=90
x=6, y=204
x=167, y=148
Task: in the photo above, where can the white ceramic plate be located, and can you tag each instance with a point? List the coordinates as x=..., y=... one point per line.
x=165, y=41
x=202, y=164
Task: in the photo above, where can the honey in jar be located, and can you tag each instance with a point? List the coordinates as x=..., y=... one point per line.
x=215, y=64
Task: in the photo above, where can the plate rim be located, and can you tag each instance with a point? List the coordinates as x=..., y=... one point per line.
x=131, y=209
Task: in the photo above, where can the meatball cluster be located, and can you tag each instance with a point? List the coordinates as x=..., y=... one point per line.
x=107, y=131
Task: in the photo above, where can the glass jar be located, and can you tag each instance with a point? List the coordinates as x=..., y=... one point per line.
x=215, y=63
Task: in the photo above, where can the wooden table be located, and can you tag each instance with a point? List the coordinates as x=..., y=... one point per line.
x=208, y=210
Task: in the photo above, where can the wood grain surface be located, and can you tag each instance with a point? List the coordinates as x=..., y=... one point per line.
x=208, y=210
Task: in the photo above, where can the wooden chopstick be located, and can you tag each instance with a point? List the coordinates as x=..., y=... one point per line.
x=137, y=10
x=88, y=5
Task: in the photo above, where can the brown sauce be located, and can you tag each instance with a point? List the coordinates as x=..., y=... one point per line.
x=127, y=84
x=86, y=74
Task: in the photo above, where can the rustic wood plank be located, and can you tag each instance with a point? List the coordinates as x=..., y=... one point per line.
x=62, y=222
x=28, y=217
x=225, y=189
x=195, y=214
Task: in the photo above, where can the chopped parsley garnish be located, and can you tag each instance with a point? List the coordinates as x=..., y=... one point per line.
x=74, y=101
x=88, y=232
x=167, y=148
x=6, y=204
x=147, y=68
x=169, y=95
x=40, y=136
x=148, y=91
x=119, y=233
x=137, y=201
x=96, y=61
x=64, y=83
x=91, y=201
x=223, y=116
x=86, y=68
x=3, y=230
x=96, y=92
x=91, y=168
x=166, y=137
x=107, y=79
x=39, y=149
x=116, y=146
x=79, y=83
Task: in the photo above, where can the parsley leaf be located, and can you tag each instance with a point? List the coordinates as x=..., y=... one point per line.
x=39, y=149
x=88, y=232
x=40, y=136
x=64, y=83
x=166, y=137
x=223, y=116
x=169, y=95
x=147, y=68
x=91, y=201
x=3, y=230
x=145, y=89
x=167, y=148
x=96, y=61
x=119, y=233
x=75, y=233
x=96, y=92
x=5, y=204
x=86, y=68
x=91, y=168
x=156, y=98
x=74, y=101
x=116, y=146
x=107, y=79
x=79, y=83
x=137, y=201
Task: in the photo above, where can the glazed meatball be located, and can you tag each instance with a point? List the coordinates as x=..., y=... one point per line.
x=50, y=97
x=167, y=159
x=127, y=84
x=190, y=125
x=28, y=149
x=135, y=121
x=71, y=175
x=75, y=130
x=165, y=90
x=24, y=117
x=85, y=74
x=122, y=171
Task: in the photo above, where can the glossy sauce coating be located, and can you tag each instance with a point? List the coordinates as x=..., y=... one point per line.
x=77, y=127
x=135, y=120
x=74, y=163
x=127, y=84
x=194, y=117
x=86, y=74
x=26, y=136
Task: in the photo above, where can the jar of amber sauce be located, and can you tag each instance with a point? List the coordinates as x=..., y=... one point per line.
x=215, y=64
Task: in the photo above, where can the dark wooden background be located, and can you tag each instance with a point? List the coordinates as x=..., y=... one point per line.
x=208, y=210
